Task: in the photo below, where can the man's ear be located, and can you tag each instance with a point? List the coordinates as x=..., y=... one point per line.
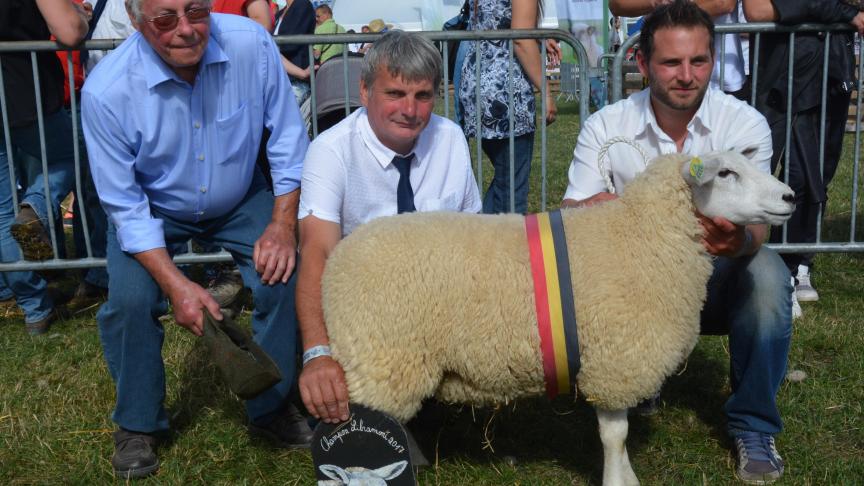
x=364, y=93
x=642, y=63
x=132, y=18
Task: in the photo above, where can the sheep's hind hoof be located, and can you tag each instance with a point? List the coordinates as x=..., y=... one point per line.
x=369, y=445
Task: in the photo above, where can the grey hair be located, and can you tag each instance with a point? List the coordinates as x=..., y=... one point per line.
x=134, y=7
x=407, y=55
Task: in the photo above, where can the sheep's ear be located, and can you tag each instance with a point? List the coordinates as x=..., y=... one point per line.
x=389, y=472
x=334, y=472
x=750, y=152
x=698, y=170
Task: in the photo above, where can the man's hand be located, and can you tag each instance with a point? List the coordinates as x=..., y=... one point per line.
x=275, y=253
x=858, y=22
x=553, y=52
x=188, y=298
x=551, y=108
x=722, y=237
x=589, y=201
x=323, y=389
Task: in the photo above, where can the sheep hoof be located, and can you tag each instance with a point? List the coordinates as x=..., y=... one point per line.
x=370, y=447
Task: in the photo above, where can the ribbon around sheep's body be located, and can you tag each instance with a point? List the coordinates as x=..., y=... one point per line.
x=553, y=299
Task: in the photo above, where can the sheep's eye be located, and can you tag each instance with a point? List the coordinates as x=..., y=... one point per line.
x=726, y=173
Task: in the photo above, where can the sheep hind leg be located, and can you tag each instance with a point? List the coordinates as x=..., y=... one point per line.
x=613, y=433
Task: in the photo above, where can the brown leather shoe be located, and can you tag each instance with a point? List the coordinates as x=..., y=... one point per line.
x=134, y=454
x=288, y=429
x=31, y=236
x=43, y=325
x=87, y=297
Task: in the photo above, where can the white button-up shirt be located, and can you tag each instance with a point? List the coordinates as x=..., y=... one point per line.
x=721, y=123
x=348, y=177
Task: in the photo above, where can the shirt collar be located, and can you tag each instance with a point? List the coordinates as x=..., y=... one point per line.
x=382, y=153
x=157, y=72
x=701, y=118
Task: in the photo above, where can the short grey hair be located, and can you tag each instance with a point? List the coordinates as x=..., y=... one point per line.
x=407, y=55
x=134, y=7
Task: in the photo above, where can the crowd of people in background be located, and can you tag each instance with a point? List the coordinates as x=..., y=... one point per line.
x=144, y=216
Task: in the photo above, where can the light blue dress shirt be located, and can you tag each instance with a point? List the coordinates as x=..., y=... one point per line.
x=189, y=151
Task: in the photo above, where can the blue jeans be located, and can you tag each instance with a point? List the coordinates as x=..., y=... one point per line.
x=497, y=198
x=749, y=299
x=132, y=335
x=61, y=163
x=29, y=287
x=97, y=221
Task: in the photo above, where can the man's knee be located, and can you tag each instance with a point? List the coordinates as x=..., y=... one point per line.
x=771, y=293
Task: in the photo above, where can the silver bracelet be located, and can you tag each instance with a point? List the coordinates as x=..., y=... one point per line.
x=315, y=352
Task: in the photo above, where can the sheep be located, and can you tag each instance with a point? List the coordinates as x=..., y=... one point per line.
x=443, y=304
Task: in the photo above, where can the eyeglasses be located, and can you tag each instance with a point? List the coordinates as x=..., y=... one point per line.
x=169, y=21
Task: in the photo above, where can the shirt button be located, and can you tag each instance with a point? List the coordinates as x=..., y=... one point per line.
x=203, y=189
x=201, y=157
x=197, y=124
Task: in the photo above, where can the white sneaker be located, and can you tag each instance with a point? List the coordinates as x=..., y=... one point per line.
x=796, y=307
x=804, y=289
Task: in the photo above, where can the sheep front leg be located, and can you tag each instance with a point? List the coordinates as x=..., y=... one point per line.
x=613, y=434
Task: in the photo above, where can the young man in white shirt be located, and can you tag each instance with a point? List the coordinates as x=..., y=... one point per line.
x=391, y=156
x=749, y=291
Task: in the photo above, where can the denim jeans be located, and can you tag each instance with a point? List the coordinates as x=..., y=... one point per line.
x=61, y=163
x=97, y=221
x=132, y=335
x=29, y=287
x=749, y=299
x=497, y=197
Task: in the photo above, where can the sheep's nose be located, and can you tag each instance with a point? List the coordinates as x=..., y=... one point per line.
x=789, y=197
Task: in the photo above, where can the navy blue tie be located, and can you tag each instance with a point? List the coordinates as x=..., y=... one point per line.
x=404, y=193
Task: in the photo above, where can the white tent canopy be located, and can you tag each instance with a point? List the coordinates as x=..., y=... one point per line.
x=410, y=14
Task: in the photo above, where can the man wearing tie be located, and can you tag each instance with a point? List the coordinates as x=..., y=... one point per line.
x=390, y=157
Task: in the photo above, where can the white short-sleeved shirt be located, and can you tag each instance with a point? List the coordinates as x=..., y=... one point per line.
x=348, y=177
x=733, y=57
x=721, y=123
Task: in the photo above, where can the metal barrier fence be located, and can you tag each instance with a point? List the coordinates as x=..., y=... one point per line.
x=440, y=37
x=757, y=30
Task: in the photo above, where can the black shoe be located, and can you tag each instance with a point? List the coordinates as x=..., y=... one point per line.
x=134, y=454
x=31, y=235
x=288, y=429
x=87, y=297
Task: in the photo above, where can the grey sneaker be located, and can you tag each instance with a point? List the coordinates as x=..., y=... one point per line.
x=758, y=460
x=226, y=287
x=31, y=236
x=804, y=289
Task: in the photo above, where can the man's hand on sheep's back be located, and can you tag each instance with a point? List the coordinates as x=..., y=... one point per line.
x=723, y=237
x=589, y=201
x=188, y=299
x=323, y=389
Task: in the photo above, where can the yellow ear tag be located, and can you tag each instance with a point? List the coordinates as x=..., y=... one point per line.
x=696, y=167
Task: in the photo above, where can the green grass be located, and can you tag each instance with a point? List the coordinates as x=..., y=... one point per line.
x=56, y=398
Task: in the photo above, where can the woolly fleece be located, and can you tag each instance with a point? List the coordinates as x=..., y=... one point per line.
x=443, y=303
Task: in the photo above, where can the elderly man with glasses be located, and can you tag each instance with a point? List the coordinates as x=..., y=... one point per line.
x=173, y=121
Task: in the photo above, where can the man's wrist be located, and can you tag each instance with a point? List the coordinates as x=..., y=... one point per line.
x=747, y=246
x=315, y=352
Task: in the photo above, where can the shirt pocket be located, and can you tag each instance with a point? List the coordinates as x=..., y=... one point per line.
x=233, y=136
x=447, y=202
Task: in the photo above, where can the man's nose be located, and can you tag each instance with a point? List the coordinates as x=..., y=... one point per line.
x=685, y=73
x=409, y=107
x=184, y=27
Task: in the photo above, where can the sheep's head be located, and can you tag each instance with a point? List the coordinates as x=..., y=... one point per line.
x=727, y=184
x=360, y=476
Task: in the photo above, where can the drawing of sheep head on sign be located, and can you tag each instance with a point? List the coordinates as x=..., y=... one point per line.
x=360, y=476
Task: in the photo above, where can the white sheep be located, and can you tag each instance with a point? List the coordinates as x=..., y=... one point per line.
x=443, y=303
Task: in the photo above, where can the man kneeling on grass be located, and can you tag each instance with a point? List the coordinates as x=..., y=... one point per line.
x=173, y=120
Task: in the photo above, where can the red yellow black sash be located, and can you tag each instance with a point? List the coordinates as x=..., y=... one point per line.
x=553, y=298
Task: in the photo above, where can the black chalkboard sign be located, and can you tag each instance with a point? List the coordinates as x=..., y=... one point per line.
x=370, y=448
